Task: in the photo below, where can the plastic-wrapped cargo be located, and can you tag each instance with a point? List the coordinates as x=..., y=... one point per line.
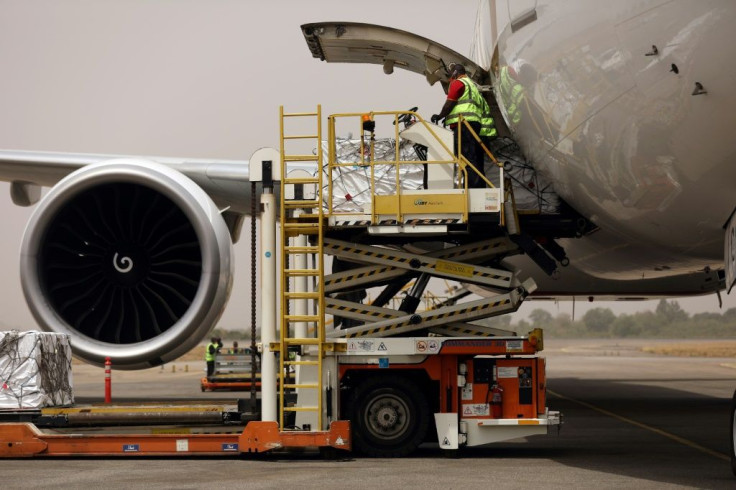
x=351, y=185
x=35, y=370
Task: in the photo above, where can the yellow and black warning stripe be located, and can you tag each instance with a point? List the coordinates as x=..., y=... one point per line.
x=360, y=275
x=392, y=222
x=478, y=248
x=345, y=249
x=379, y=330
x=353, y=223
x=426, y=320
x=464, y=311
x=420, y=222
x=347, y=310
x=440, y=263
x=415, y=262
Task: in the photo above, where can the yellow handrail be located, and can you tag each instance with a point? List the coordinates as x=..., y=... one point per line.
x=368, y=158
x=464, y=124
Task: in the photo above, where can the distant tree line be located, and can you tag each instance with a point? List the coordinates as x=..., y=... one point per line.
x=668, y=320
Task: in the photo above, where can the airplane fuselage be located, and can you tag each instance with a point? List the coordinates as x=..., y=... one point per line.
x=628, y=106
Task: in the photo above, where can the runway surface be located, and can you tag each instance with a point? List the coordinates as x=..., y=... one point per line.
x=632, y=420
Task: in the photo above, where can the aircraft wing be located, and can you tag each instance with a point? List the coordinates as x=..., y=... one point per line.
x=225, y=181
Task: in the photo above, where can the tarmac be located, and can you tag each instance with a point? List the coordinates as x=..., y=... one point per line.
x=632, y=420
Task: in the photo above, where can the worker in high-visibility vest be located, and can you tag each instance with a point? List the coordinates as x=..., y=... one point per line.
x=488, y=130
x=464, y=99
x=210, y=353
x=515, y=89
x=511, y=94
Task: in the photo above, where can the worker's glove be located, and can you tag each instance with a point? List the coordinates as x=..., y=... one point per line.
x=435, y=118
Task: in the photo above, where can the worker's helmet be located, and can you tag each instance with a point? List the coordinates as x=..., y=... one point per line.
x=526, y=74
x=456, y=69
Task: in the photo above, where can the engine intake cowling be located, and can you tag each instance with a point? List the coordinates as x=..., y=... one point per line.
x=129, y=257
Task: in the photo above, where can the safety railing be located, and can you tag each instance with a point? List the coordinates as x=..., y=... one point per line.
x=465, y=126
x=394, y=198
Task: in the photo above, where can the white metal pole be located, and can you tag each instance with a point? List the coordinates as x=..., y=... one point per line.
x=300, y=285
x=268, y=305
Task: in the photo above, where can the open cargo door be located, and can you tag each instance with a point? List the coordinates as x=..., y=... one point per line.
x=350, y=42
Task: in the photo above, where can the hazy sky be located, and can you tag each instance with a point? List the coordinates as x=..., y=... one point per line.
x=194, y=78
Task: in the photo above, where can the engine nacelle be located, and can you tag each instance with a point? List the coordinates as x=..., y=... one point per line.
x=129, y=257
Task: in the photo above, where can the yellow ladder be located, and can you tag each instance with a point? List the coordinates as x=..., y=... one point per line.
x=310, y=222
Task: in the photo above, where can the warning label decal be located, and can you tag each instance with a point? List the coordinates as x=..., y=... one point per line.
x=476, y=410
x=426, y=346
x=454, y=268
x=362, y=346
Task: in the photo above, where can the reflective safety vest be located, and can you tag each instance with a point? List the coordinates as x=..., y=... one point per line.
x=487, y=126
x=210, y=357
x=469, y=105
x=511, y=93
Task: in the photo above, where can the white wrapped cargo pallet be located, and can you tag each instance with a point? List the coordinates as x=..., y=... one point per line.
x=351, y=186
x=35, y=370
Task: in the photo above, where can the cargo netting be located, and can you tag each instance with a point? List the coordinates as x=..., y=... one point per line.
x=35, y=370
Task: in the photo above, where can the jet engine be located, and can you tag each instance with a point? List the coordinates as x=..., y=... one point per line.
x=130, y=258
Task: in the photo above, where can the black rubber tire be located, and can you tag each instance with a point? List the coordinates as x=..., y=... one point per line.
x=733, y=433
x=388, y=417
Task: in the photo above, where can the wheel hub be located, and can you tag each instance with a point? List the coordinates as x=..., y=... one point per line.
x=386, y=417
